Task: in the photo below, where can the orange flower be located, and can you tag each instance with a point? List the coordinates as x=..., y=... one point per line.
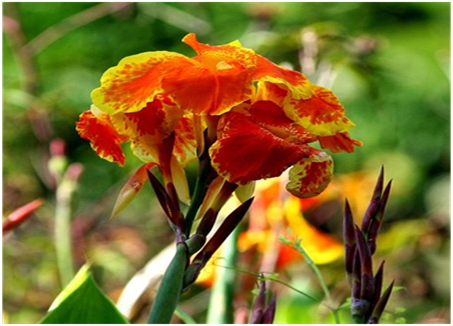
x=162, y=101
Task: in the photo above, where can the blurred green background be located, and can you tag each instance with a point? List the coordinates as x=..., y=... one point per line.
x=389, y=63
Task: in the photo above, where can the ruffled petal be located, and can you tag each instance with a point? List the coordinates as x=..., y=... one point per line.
x=220, y=79
x=148, y=128
x=103, y=137
x=311, y=175
x=232, y=53
x=247, y=152
x=271, y=92
x=322, y=114
x=299, y=86
x=136, y=80
x=341, y=142
x=271, y=117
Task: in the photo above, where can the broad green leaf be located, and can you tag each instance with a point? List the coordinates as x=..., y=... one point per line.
x=83, y=302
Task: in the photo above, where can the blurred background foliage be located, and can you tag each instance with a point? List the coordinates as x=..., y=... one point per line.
x=389, y=63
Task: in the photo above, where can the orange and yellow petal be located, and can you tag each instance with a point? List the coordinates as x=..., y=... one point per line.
x=271, y=92
x=219, y=78
x=311, y=175
x=298, y=85
x=148, y=127
x=206, y=92
x=342, y=142
x=135, y=81
x=322, y=114
x=247, y=152
x=220, y=56
x=185, y=146
x=103, y=137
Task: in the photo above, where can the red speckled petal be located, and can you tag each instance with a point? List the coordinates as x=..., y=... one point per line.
x=136, y=80
x=298, y=85
x=247, y=152
x=148, y=128
x=341, y=142
x=185, y=147
x=322, y=114
x=104, y=139
x=311, y=175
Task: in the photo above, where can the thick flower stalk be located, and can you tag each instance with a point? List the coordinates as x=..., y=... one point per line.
x=239, y=115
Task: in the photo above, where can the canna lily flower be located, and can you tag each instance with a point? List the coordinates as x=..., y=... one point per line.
x=265, y=115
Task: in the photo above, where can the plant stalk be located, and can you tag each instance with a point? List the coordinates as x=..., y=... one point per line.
x=63, y=235
x=170, y=289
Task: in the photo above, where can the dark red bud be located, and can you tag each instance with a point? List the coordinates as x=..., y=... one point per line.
x=20, y=215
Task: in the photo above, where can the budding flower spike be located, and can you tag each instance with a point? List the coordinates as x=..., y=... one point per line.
x=262, y=312
x=367, y=304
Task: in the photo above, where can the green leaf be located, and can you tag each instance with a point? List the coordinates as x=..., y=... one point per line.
x=83, y=302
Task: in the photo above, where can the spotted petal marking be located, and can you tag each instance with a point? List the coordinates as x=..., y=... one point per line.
x=311, y=175
x=104, y=139
x=322, y=114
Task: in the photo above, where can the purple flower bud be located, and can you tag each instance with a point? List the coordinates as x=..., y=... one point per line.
x=374, y=203
x=377, y=221
x=349, y=239
x=173, y=214
x=258, y=305
x=356, y=276
x=269, y=312
x=378, y=279
x=367, y=283
x=207, y=222
x=380, y=306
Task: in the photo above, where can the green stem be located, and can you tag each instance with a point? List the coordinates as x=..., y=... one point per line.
x=63, y=235
x=201, y=187
x=221, y=308
x=318, y=274
x=170, y=289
